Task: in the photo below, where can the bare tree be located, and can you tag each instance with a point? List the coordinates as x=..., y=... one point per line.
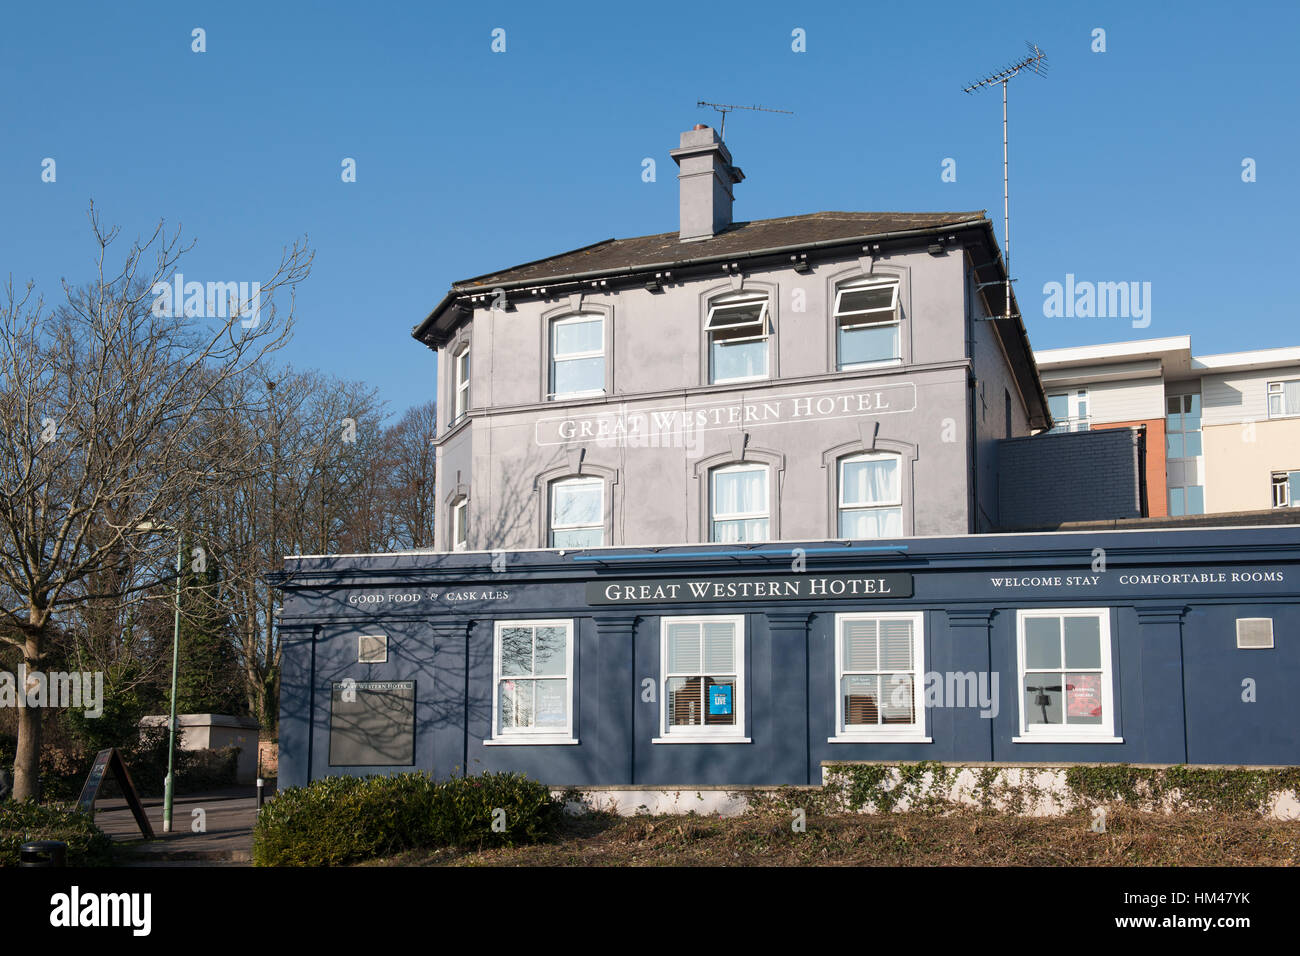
x=411, y=499
x=107, y=404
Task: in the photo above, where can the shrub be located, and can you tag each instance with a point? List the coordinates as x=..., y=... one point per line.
x=338, y=820
x=23, y=822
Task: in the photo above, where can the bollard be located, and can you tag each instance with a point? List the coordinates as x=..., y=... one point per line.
x=43, y=853
x=260, y=792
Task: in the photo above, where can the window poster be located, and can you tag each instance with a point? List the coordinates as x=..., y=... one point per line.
x=551, y=704
x=1083, y=695
x=720, y=699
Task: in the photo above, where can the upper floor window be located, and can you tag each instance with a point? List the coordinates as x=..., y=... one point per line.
x=460, y=384
x=577, y=513
x=1183, y=426
x=867, y=322
x=1283, y=399
x=871, y=496
x=577, y=356
x=738, y=503
x=1286, y=489
x=460, y=524
x=1069, y=411
x=740, y=331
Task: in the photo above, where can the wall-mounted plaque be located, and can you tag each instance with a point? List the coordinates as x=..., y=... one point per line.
x=372, y=723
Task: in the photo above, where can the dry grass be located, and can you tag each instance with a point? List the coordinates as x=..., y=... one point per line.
x=964, y=838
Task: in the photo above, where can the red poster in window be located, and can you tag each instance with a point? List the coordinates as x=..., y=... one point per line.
x=1083, y=695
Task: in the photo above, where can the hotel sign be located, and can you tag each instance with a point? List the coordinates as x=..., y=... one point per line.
x=677, y=425
x=786, y=587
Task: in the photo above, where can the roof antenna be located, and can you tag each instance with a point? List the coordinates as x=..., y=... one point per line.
x=1036, y=62
x=725, y=108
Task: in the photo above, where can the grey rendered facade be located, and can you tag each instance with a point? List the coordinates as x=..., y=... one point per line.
x=957, y=385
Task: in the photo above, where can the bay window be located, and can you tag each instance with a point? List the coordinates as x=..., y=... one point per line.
x=460, y=385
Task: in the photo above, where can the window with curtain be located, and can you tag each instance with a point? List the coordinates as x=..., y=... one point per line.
x=867, y=322
x=871, y=496
x=702, y=671
x=577, y=356
x=739, y=330
x=1283, y=399
x=534, y=677
x=739, y=504
x=577, y=513
x=880, y=676
x=1065, y=675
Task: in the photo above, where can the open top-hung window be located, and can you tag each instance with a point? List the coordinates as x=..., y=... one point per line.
x=1286, y=489
x=867, y=322
x=703, y=677
x=577, y=513
x=1065, y=675
x=871, y=496
x=577, y=356
x=739, y=330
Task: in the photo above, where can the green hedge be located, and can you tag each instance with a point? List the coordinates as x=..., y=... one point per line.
x=338, y=820
x=23, y=822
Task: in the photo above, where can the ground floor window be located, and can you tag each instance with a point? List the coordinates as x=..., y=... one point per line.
x=880, y=676
x=1065, y=675
x=703, y=678
x=532, y=680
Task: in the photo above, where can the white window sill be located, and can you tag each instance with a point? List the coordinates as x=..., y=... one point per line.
x=862, y=366
x=699, y=739
x=530, y=740
x=1036, y=739
x=910, y=739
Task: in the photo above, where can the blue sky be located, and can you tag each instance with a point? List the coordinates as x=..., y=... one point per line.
x=1126, y=165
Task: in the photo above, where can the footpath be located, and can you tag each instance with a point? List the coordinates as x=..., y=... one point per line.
x=208, y=829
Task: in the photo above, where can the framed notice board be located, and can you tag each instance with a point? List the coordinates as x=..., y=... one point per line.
x=372, y=723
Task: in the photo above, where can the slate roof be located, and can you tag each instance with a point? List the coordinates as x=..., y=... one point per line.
x=742, y=238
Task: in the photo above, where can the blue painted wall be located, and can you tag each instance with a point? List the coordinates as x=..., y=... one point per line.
x=1178, y=673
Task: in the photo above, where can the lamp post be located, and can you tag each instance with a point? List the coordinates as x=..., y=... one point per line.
x=176, y=653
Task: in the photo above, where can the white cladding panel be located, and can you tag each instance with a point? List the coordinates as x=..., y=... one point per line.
x=1240, y=396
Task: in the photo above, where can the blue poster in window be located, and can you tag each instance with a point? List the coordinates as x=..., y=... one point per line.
x=719, y=699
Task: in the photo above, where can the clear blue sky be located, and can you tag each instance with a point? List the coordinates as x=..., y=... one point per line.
x=1126, y=165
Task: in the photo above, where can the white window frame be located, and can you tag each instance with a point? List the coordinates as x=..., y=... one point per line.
x=704, y=734
x=764, y=334
x=1103, y=733
x=766, y=513
x=1076, y=402
x=1278, y=388
x=1281, y=489
x=842, y=507
x=459, y=385
x=577, y=317
x=883, y=733
x=552, y=527
x=533, y=736
x=839, y=314
x=460, y=524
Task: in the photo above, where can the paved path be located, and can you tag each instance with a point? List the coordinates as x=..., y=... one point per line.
x=226, y=838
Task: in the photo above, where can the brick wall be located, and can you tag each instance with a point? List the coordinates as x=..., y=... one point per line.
x=1072, y=476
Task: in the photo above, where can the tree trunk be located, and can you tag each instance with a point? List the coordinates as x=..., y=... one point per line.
x=27, y=761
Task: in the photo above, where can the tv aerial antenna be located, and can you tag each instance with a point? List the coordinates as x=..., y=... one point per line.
x=1035, y=62
x=725, y=108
